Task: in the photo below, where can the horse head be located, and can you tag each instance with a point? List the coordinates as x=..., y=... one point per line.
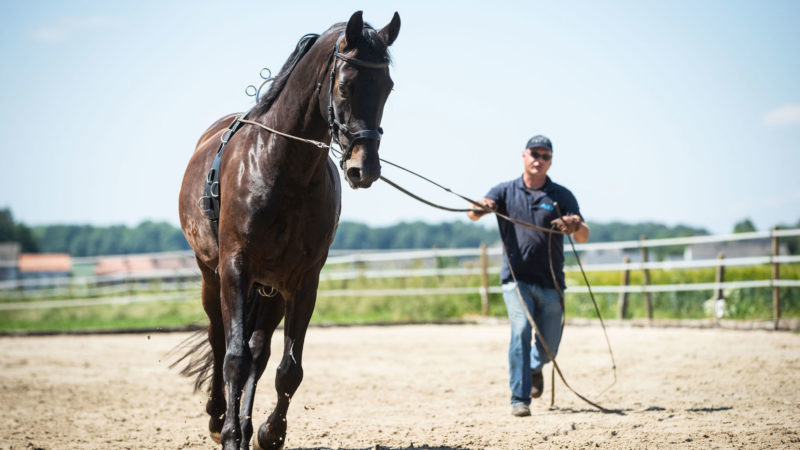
x=359, y=84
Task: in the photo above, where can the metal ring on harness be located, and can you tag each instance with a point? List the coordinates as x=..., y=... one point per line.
x=264, y=293
x=226, y=136
x=252, y=91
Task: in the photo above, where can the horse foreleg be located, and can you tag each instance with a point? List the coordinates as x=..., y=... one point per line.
x=238, y=359
x=268, y=313
x=272, y=433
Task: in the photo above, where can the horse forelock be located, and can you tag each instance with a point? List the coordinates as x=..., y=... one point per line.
x=371, y=47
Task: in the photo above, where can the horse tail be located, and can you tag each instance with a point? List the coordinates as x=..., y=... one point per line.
x=194, y=353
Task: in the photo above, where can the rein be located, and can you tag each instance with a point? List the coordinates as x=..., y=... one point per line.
x=336, y=129
x=550, y=232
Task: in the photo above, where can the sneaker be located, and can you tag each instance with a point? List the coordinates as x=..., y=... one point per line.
x=537, y=387
x=520, y=410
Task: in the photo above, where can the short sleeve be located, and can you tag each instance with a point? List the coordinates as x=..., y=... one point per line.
x=498, y=194
x=569, y=204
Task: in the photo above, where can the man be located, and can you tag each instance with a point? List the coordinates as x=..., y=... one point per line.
x=531, y=199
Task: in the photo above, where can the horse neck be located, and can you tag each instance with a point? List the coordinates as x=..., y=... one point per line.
x=296, y=112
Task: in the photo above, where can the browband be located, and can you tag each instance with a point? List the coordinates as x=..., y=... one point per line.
x=356, y=61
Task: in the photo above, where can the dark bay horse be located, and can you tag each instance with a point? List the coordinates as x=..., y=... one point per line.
x=279, y=208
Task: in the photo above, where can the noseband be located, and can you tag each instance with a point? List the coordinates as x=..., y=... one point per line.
x=337, y=128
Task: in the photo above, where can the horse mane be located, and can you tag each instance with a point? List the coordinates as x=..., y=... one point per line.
x=275, y=89
x=377, y=48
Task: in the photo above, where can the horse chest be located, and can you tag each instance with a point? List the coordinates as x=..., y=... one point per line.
x=295, y=233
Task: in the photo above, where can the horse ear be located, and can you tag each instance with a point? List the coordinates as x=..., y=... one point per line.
x=389, y=32
x=354, y=27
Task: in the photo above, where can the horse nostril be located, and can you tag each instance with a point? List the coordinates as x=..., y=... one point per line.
x=354, y=174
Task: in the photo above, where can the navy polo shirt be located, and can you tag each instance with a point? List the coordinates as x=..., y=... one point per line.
x=527, y=248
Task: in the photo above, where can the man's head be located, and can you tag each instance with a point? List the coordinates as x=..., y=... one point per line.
x=537, y=156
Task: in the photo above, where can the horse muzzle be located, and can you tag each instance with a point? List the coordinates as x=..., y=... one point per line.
x=363, y=166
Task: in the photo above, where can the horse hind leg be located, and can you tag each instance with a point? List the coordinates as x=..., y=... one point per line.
x=215, y=406
x=203, y=354
x=263, y=317
x=272, y=434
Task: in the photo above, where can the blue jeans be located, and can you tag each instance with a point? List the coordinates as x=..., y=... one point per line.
x=545, y=307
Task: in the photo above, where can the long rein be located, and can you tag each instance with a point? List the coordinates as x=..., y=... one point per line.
x=551, y=232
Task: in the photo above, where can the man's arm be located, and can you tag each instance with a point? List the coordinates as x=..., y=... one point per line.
x=582, y=234
x=476, y=213
x=573, y=225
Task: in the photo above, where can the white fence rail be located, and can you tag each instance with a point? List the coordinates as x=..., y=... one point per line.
x=119, y=288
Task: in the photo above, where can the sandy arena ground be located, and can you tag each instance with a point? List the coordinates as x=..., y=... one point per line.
x=436, y=386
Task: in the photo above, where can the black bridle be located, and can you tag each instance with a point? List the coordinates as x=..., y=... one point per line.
x=337, y=128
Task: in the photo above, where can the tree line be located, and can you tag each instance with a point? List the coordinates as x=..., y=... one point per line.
x=150, y=236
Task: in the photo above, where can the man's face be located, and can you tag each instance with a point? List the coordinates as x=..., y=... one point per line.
x=537, y=160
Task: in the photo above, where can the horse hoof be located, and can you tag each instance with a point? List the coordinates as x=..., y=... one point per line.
x=274, y=443
x=257, y=446
x=216, y=438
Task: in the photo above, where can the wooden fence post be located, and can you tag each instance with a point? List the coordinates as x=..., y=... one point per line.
x=622, y=304
x=718, y=300
x=720, y=278
x=484, y=281
x=437, y=263
x=648, y=297
x=776, y=290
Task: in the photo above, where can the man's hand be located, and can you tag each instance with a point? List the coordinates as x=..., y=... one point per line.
x=476, y=213
x=568, y=224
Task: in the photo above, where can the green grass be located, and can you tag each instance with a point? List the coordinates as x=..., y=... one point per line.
x=754, y=303
x=750, y=303
x=151, y=315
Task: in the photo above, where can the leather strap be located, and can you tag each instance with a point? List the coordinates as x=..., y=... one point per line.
x=334, y=126
x=209, y=202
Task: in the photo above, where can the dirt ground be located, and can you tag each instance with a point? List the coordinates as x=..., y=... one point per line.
x=434, y=386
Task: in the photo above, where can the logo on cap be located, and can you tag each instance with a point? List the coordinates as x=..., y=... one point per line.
x=539, y=141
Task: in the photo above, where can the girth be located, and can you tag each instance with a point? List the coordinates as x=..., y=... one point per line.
x=209, y=202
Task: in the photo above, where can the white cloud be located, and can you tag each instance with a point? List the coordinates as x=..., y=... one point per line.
x=67, y=27
x=784, y=115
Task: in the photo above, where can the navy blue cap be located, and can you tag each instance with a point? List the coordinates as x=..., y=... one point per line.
x=539, y=141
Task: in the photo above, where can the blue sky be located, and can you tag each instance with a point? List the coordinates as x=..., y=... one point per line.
x=677, y=112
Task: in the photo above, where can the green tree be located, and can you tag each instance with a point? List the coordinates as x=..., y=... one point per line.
x=88, y=240
x=7, y=231
x=11, y=231
x=619, y=231
x=744, y=226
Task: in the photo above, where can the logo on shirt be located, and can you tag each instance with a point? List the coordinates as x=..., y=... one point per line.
x=546, y=206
